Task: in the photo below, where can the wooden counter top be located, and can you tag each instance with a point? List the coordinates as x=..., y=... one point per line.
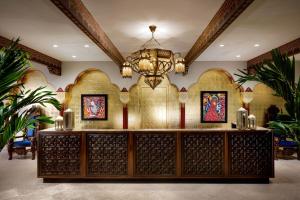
x=160, y=130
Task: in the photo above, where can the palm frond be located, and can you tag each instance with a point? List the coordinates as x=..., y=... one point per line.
x=279, y=75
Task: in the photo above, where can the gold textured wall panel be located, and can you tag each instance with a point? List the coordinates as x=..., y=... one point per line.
x=157, y=108
x=34, y=79
x=95, y=82
x=212, y=80
x=263, y=98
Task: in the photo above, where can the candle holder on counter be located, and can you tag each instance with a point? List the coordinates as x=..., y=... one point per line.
x=68, y=119
x=242, y=119
x=252, y=122
x=58, y=123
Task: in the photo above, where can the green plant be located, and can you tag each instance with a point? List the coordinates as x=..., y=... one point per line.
x=279, y=75
x=15, y=101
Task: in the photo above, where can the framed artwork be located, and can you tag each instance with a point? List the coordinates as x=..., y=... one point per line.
x=213, y=106
x=94, y=106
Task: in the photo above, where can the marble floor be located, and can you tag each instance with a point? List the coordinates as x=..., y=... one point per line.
x=18, y=181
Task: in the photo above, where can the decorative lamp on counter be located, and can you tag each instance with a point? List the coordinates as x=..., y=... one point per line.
x=68, y=119
x=242, y=119
x=252, y=122
x=59, y=123
x=153, y=62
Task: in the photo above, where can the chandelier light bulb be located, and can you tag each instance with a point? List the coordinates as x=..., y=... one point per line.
x=127, y=70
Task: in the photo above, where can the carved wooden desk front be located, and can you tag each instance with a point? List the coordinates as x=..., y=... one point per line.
x=156, y=154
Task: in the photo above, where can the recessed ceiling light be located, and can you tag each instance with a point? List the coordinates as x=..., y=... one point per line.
x=238, y=56
x=55, y=45
x=221, y=45
x=86, y=46
x=73, y=56
x=256, y=45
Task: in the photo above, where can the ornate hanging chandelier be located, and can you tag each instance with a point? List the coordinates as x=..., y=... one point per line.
x=153, y=62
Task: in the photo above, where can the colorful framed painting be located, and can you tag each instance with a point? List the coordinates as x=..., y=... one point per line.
x=213, y=106
x=94, y=106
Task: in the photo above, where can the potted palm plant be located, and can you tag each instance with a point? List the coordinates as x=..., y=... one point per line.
x=15, y=114
x=279, y=75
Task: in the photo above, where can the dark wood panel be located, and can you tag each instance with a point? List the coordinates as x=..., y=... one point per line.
x=59, y=155
x=251, y=154
x=163, y=154
x=107, y=154
x=155, y=154
x=203, y=154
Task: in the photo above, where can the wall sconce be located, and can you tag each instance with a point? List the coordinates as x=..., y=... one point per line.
x=60, y=95
x=247, y=97
x=124, y=98
x=183, y=95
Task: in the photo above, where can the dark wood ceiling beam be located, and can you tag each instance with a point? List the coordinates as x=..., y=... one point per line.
x=83, y=19
x=228, y=12
x=290, y=48
x=53, y=65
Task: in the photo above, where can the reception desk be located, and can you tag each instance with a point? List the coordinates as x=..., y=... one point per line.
x=177, y=154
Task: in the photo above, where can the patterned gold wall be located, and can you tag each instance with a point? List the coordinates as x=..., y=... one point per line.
x=262, y=99
x=34, y=79
x=157, y=108
x=211, y=80
x=94, y=81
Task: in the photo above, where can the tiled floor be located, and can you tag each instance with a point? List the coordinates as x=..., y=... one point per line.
x=18, y=181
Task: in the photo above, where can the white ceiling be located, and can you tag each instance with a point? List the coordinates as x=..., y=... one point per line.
x=40, y=24
x=179, y=23
x=270, y=23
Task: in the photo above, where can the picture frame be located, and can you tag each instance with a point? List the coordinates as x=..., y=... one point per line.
x=94, y=107
x=214, y=106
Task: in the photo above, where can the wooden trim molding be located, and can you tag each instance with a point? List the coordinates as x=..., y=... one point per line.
x=83, y=19
x=289, y=48
x=54, y=65
x=228, y=12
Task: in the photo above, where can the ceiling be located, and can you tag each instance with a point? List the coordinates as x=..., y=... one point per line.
x=40, y=25
x=179, y=23
x=269, y=23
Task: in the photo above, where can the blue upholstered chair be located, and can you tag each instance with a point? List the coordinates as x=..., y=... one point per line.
x=285, y=147
x=23, y=144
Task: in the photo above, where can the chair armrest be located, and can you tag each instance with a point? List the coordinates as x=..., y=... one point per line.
x=19, y=136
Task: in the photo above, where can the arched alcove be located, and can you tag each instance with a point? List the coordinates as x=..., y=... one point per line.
x=212, y=80
x=94, y=81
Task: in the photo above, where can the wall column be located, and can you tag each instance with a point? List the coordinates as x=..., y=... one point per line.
x=182, y=99
x=124, y=98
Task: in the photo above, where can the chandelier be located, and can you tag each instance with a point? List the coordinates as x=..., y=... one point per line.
x=153, y=62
